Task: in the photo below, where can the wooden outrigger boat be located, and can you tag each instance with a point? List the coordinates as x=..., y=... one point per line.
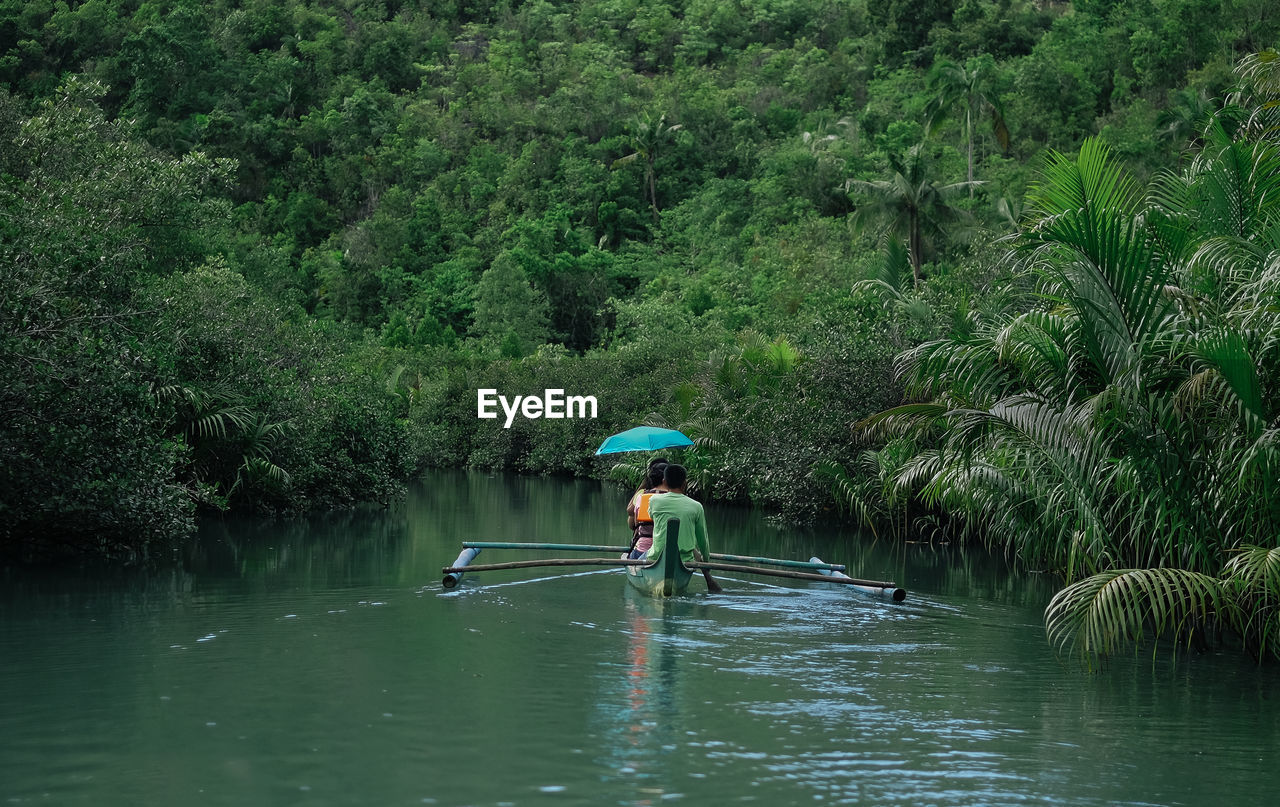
x=669, y=576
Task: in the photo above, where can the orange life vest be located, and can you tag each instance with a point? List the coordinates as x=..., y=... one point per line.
x=642, y=512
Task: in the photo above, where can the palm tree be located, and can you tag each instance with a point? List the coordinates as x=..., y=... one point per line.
x=1182, y=121
x=909, y=205
x=232, y=445
x=969, y=87
x=1259, y=93
x=1120, y=429
x=648, y=136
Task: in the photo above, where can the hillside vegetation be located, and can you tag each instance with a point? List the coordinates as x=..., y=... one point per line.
x=262, y=254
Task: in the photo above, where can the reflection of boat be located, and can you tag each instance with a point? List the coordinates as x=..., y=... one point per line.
x=640, y=716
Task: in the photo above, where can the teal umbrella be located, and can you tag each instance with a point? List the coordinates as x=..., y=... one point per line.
x=643, y=438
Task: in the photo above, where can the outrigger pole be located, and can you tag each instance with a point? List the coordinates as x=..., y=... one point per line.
x=877, y=587
x=826, y=572
x=813, y=563
x=889, y=590
x=556, y=547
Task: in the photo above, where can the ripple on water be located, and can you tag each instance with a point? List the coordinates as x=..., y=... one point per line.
x=769, y=694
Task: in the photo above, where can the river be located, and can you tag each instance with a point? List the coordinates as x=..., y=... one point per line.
x=319, y=661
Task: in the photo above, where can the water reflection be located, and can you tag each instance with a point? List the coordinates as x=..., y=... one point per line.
x=334, y=669
x=638, y=709
x=335, y=548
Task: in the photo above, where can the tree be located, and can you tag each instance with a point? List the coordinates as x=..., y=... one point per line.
x=1187, y=114
x=1119, y=427
x=971, y=88
x=1259, y=94
x=648, y=136
x=507, y=306
x=87, y=216
x=909, y=205
x=137, y=386
x=906, y=25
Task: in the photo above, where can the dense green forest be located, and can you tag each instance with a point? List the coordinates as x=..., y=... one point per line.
x=261, y=255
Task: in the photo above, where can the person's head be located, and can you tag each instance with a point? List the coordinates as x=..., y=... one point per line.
x=655, y=475
x=675, y=477
x=656, y=461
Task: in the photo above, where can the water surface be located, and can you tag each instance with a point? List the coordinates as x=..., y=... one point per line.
x=320, y=662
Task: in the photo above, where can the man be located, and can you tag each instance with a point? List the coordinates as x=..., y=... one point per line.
x=693, y=543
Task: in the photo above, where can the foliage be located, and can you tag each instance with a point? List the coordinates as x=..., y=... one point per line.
x=262, y=255
x=274, y=412
x=386, y=155
x=1128, y=396
x=911, y=205
x=87, y=216
x=140, y=386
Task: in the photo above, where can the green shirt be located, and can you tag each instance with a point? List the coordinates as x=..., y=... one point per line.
x=693, y=525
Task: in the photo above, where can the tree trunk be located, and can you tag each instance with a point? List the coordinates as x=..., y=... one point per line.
x=914, y=244
x=968, y=123
x=653, y=192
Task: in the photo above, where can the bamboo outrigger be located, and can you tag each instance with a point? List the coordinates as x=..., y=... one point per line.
x=667, y=576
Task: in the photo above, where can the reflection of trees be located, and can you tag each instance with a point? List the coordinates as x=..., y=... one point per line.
x=330, y=550
x=406, y=545
x=637, y=712
x=919, y=567
x=478, y=506
x=973, y=572
x=126, y=592
x=343, y=547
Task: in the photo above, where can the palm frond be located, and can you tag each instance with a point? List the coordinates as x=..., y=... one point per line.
x=629, y=472
x=1090, y=181
x=1225, y=351
x=258, y=473
x=683, y=395
x=621, y=161
x=1255, y=569
x=221, y=422
x=1096, y=616
x=1252, y=576
x=847, y=492
x=903, y=419
x=782, y=356
x=706, y=433
x=1095, y=258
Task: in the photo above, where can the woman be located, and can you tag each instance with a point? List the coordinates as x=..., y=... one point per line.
x=638, y=518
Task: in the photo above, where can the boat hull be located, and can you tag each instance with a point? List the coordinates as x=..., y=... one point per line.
x=655, y=580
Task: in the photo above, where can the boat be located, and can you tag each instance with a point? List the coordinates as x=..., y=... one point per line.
x=657, y=580
x=667, y=576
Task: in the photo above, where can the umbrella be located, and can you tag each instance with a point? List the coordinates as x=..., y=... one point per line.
x=643, y=438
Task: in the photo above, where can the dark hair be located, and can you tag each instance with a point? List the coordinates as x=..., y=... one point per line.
x=675, y=476
x=656, y=461
x=655, y=475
